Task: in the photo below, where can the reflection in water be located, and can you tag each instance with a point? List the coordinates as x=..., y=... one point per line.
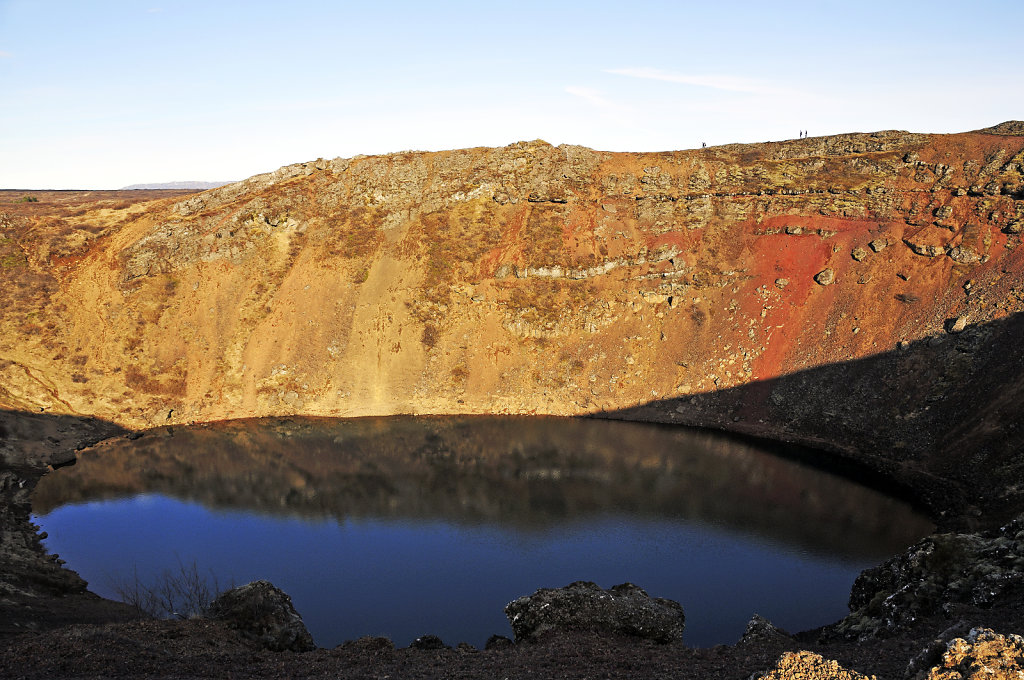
x=403, y=526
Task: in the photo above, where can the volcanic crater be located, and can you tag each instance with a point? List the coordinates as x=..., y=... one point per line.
x=861, y=294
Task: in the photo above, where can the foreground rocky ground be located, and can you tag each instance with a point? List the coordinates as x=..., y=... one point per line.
x=201, y=648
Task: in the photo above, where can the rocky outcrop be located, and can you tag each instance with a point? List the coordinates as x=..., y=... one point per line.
x=933, y=576
x=624, y=609
x=26, y=571
x=262, y=612
x=1010, y=127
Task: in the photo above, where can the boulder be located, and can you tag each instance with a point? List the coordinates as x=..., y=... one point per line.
x=958, y=324
x=825, y=277
x=926, y=249
x=761, y=630
x=584, y=606
x=965, y=255
x=262, y=612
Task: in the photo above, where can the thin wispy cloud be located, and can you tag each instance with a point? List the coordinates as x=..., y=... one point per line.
x=622, y=116
x=155, y=10
x=5, y=54
x=715, y=82
x=593, y=97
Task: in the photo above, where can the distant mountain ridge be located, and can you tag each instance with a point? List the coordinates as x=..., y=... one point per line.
x=176, y=185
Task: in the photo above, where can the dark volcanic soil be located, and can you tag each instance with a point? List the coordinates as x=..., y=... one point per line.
x=201, y=649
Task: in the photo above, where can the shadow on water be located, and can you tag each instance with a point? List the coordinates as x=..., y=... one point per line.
x=40, y=439
x=524, y=473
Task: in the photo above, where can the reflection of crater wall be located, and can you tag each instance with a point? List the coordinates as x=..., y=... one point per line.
x=526, y=472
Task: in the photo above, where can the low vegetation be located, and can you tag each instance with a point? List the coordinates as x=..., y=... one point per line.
x=180, y=593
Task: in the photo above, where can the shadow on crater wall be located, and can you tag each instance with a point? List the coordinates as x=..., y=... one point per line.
x=940, y=416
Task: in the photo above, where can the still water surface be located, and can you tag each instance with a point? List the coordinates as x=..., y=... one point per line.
x=405, y=526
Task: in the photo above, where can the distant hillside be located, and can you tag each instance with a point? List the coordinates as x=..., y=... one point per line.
x=176, y=185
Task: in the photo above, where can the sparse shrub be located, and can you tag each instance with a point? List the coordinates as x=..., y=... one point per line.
x=11, y=260
x=29, y=199
x=182, y=593
x=429, y=338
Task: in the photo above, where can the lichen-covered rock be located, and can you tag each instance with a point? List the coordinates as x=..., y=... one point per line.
x=936, y=573
x=262, y=612
x=585, y=606
x=982, y=655
x=808, y=666
x=964, y=255
x=825, y=277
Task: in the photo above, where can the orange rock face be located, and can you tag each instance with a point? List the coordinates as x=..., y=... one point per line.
x=680, y=286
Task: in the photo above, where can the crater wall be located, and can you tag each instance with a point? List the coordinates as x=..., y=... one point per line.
x=708, y=287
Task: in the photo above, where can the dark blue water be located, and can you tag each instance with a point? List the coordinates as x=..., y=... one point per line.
x=416, y=540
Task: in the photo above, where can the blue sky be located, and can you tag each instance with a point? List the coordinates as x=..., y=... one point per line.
x=102, y=94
